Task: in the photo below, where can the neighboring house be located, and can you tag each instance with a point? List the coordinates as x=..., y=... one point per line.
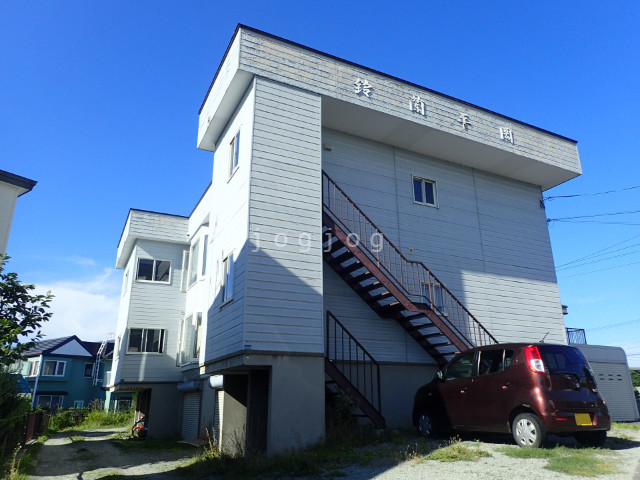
x=64, y=373
x=359, y=229
x=11, y=187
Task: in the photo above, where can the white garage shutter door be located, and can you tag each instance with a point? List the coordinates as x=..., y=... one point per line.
x=615, y=387
x=190, y=415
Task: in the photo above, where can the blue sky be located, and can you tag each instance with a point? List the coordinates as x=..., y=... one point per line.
x=99, y=104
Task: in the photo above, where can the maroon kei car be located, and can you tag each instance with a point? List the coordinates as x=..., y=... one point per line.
x=527, y=390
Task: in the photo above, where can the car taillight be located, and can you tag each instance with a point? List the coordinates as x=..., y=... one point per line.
x=534, y=361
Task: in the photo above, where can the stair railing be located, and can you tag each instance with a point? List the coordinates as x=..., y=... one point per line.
x=413, y=278
x=353, y=360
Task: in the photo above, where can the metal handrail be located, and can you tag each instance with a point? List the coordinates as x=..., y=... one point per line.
x=349, y=356
x=413, y=277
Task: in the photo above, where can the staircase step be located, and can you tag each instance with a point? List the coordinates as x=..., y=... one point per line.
x=442, y=344
x=343, y=257
x=381, y=296
x=369, y=287
x=344, y=271
x=388, y=310
x=360, y=278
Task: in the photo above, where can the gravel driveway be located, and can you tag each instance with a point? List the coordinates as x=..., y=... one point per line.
x=91, y=454
x=623, y=446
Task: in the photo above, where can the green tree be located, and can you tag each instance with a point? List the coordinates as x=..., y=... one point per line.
x=22, y=314
x=635, y=377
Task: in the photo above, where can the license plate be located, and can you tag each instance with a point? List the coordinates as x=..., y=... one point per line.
x=583, y=419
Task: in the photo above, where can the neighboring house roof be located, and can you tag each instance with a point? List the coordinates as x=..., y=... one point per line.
x=26, y=183
x=70, y=347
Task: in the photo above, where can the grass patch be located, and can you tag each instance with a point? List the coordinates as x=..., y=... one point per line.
x=586, y=462
x=582, y=463
x=626, y=426
x=457, y=451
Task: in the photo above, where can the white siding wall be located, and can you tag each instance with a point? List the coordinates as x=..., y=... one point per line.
x=287, y=63
x=154, y=305
x=284, y=291
x=385, y=340
x=123, y=315
x=487, y=240
x=8, y=195
x=228, y=227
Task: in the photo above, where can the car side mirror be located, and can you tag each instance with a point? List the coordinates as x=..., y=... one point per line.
x=440, y=375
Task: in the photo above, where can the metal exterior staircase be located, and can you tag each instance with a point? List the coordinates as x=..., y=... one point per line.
x=395, y=287
x=349, y=366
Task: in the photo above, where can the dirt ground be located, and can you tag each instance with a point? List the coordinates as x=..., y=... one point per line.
x=90, y=455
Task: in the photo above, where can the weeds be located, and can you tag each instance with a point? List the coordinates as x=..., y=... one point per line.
x=586, y=462
x=626, y=426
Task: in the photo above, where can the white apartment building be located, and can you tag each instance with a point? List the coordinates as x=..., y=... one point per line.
x=358, y=230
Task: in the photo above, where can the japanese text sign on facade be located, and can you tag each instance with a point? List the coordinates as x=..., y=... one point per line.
x=362, y=86
x=416, y=104
x=506, y=134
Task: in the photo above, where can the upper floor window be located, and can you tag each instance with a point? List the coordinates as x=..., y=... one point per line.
x=53, y=368
x=88, y=370
x=424, y=192
x=234, y=151
x=197, y=335
x=153, y=270
x=227, y=279
x=198, y=259
x=33, y=368
x=147, y=340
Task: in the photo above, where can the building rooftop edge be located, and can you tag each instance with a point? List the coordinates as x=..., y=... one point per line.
x=17, y=180
x=372, y=70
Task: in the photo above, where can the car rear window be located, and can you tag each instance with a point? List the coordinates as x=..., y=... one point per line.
x=561, y=359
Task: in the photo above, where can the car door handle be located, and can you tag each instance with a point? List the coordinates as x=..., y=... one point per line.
x=463, y=390
x=505, y=385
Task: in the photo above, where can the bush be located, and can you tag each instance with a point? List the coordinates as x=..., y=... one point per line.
x=112, y=418
x=64, y=419
x=13, y=412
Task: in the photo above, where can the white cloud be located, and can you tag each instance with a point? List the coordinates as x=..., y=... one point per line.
x=83, y=261
x=86, y=308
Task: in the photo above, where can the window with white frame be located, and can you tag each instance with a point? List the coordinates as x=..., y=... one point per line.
x=77, y=404
x=52, y=402
x=194, y=256
x=434, y=294
x=88, y=370
x=150, y=270
x=205, y=248
x=33, y=368
x=53, y=368
x=197, y=258
x=146, y=340
x=234, y=152
x=424, y=192
x=184, y=340
x=227, y=279
x=197, y=335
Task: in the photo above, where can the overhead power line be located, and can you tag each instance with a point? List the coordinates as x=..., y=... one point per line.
x=594, y=254
x=621, y=324
x=600, y=270
x=552, y=197
x=593, y=216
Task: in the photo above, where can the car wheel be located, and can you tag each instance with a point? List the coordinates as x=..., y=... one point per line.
x=425, y=425
x=592, y=439
x=527, y=430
